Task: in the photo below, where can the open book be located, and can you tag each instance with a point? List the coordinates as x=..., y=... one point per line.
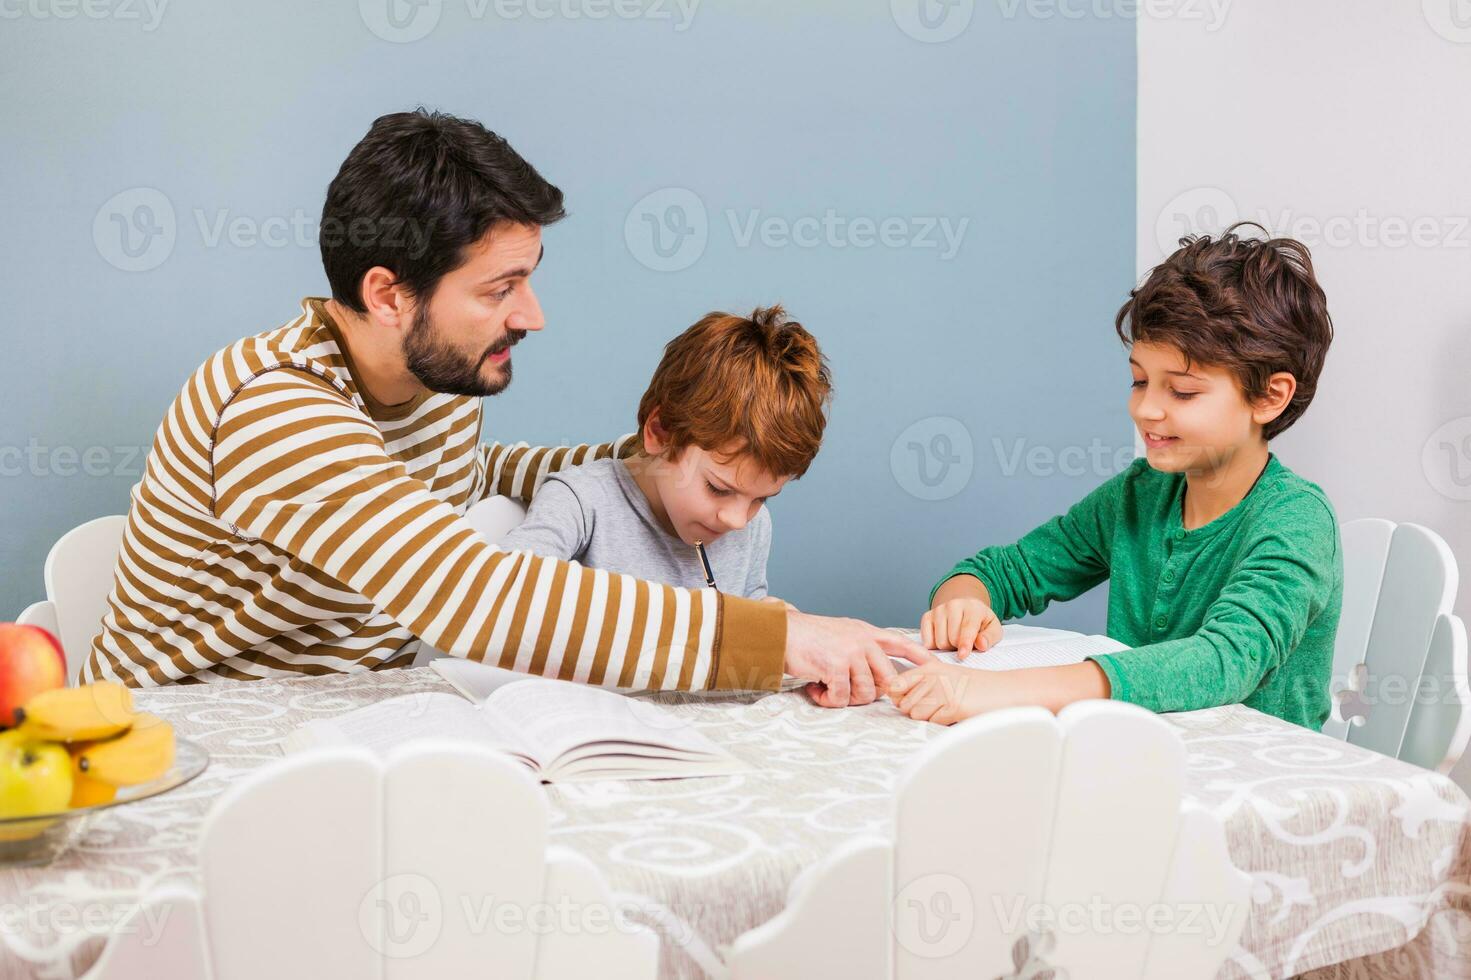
x=477, y=681
x=559, y=730
x=1028, y=646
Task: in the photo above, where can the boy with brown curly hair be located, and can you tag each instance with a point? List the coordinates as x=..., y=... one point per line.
x=1224, y=568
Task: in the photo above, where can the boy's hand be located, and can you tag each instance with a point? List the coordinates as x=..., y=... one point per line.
x=942, y=693
x=947, y=693
x=962, y=625
x=780, y=602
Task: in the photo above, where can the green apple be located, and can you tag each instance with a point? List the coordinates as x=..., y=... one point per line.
x=35, y=778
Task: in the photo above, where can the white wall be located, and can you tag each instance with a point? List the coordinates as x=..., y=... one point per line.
x=1347, y=124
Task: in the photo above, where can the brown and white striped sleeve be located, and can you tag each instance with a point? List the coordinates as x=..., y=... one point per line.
x=297, y=465
x=519, y=470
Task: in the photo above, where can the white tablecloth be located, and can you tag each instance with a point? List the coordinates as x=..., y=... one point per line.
x=1352, y=854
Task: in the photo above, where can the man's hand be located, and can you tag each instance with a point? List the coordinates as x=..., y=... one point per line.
x=846, y=660
x=962, y=625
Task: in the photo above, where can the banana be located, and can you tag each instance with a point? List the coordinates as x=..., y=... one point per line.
x=87, y=791
x=79, y=714
x=145, y=751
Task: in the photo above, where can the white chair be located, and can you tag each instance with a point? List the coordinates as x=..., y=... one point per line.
x=79, y=571
x=1022, y=842
x=78, y=577
x=494, y=518
x=1400, y=684
x=42, y=614
x=319, y=866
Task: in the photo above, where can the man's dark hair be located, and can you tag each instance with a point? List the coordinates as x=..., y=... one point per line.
x=1249, y=305
x=416, y=192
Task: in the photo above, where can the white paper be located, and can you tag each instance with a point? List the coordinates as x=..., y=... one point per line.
x=382, y=726
x=559, y=716
x=475, y=680
x=561, y=729
x=1035, y=653
x=1028, y=646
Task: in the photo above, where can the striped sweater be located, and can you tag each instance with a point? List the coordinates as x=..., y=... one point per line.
x=287, y=523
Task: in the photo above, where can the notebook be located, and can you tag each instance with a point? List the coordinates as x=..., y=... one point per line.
x=559, y=730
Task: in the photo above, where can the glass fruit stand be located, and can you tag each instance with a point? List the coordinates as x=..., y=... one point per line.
x=38, y=839
x=68, y=753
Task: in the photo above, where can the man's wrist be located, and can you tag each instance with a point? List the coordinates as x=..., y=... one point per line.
x=750, y=645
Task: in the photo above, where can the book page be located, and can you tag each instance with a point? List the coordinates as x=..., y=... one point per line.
x=1012, y=634
x=478, y=681
x=1027, y=646
x=574, y=767
x=474, y=679
x=1038, y=653
x=382, y=726
x=558, y=717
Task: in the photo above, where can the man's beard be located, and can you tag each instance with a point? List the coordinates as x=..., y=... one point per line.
x=441, y=368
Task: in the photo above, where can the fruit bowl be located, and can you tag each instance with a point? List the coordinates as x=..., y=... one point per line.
x=41, y=838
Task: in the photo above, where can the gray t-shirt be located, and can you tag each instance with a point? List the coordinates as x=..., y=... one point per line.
x=597, y=515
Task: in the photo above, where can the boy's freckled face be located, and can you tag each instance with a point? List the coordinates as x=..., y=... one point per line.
x=1192, y=417
x=706, y=495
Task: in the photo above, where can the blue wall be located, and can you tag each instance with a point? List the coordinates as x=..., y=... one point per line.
x=978, y=370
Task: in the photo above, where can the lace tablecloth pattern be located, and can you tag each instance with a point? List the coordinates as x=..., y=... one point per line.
x=1361, y=864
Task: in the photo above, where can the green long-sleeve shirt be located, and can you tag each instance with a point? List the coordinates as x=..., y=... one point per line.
x=1243, y=609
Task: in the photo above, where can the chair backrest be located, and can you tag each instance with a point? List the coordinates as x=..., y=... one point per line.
x=78, y=575
x=495, y=517
x=42, y=614
x=1010, y=832
x=319, y=865
x=1399, y=581
x=1365, y=550
x=1440, y=721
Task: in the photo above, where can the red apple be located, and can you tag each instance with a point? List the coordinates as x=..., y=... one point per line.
x=30, y=662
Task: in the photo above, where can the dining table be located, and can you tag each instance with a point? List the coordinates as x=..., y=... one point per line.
x=1360, y=864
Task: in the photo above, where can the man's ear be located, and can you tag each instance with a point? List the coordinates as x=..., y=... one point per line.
x=1280, y=389
x=388, y=302
x=656, y=440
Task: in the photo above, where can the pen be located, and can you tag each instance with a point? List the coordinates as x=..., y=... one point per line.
x=705, y=563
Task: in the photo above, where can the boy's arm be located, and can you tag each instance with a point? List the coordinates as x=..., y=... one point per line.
x=960, y=587
x=1281, y=585
x=518, y=470
x=948, y=693
x=1062, y=559
x=555, y=526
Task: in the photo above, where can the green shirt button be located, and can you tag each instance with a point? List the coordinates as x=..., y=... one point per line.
x=1169, y=576
x=1179, y=535
x=1159, y=622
